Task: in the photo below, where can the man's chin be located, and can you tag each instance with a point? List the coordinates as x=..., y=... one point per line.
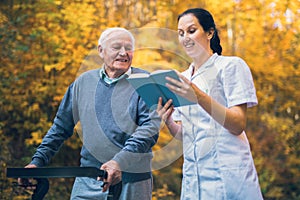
x=122, y=65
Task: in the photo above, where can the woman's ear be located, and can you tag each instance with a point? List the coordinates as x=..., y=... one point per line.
x=100, y=51
x=210, y=33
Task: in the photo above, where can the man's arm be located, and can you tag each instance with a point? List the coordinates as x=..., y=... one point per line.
x=61, y=129
x=136, y=154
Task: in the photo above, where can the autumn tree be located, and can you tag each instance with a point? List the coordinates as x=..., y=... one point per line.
x=46, y=44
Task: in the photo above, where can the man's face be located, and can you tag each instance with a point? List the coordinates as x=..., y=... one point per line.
x=117, y=52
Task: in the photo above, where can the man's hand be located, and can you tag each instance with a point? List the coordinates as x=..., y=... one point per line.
x=114, y=174
x=25, y=182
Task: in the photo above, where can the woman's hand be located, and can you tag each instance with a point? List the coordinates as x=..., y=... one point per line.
x=184, y=88
x=165, y=111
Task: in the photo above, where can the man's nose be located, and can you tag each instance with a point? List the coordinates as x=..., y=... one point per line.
x=122, y=51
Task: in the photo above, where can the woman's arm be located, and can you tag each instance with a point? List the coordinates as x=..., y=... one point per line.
x=233, y=118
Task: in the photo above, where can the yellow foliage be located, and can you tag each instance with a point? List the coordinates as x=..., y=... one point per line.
x=36, y=138
x=35, y=107
x=57, y=66
x=46, y=44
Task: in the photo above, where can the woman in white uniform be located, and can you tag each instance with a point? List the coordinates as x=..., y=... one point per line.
x=218, y=164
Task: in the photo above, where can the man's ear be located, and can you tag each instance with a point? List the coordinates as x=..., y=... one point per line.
x=100, y=51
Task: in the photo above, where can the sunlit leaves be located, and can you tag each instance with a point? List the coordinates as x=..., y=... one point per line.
x=46, y=44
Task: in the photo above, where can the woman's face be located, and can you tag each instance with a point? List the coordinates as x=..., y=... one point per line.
x=192, y=37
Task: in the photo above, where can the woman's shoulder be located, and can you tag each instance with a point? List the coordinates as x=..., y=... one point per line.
x=229, y=59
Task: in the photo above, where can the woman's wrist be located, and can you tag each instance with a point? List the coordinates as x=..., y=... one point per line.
x=168, y=122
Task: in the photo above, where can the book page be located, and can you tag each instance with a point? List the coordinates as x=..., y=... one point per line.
x=151, y=87
x=139, y=75
x=147, y=89
x=160, y=79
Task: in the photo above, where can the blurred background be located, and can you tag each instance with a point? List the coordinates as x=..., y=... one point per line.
x=46, y=44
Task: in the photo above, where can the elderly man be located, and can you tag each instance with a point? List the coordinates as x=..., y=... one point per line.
x=118, y=130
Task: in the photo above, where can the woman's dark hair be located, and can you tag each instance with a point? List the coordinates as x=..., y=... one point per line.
x=206, y=20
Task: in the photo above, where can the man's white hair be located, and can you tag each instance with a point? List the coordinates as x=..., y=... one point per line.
x=108, y=31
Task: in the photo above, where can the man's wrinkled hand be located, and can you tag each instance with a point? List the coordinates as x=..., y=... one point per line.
x=25, y=182
x=114, y=174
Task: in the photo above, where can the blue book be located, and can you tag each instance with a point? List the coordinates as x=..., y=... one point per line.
x=152, y=86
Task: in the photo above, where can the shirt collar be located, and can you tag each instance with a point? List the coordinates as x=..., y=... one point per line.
x=108, y=80
x=205, y=65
